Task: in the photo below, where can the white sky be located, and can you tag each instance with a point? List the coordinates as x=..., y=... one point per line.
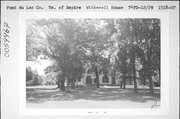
x=39, y=67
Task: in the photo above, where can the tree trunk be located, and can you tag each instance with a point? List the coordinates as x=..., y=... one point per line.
x=61, y=86
x=134, y=73
x=143, y=80
x=97, y=77
x=120, y=84
x=159, y=76
x=149, y=53
x=76, y=81
x=124, y=83
x=151, y=87
x=58, y=83
x=68, y=85
x=73, y=82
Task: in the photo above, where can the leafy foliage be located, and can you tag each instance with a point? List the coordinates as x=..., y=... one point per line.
x=77, y=44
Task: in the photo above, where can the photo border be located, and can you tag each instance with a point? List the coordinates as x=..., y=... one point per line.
x=164, y=99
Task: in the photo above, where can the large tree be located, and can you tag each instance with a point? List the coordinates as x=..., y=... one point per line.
x=97, y=45
x=122, y=63
x=150, y=46
x=57, y=43
x=142, y=39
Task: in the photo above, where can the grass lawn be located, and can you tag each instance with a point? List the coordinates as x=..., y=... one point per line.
x=90, y=97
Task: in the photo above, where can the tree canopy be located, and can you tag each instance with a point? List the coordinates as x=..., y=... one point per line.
x=74, y=44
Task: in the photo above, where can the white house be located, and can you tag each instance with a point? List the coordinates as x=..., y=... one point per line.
x=91, y=79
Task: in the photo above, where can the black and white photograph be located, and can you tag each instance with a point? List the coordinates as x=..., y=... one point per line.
x=93, y=63
x=89, y=59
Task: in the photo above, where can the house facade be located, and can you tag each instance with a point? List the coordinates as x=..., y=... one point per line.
x=88, y=79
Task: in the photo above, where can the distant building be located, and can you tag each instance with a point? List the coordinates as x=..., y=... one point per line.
x=90, y=78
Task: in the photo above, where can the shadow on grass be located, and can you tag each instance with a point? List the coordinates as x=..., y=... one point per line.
x=39, y=95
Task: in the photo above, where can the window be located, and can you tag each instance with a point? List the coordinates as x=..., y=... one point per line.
x=88, y=80
x=105, y=79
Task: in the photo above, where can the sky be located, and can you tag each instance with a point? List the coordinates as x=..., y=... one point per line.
x=39, y=66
